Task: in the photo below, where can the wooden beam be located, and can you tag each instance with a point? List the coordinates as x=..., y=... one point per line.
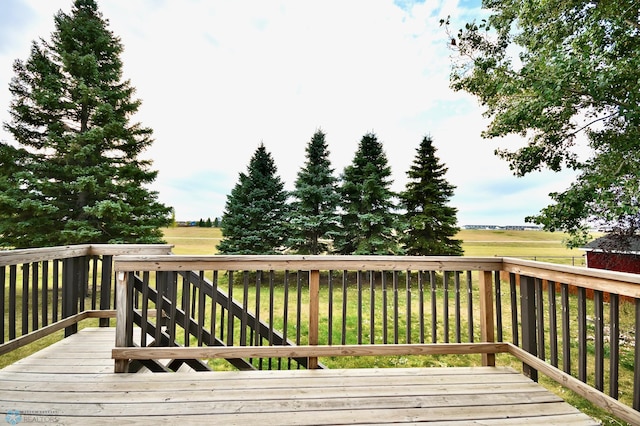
x=307, y=263
x=624, y=284
x=314, y=314
x=128, y=353
x=487, y=328
x=122, y=280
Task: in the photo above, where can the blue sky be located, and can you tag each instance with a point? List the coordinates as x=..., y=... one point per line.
x=217, y=78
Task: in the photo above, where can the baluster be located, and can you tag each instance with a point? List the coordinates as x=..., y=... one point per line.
x=457, y=307
x=566, y=330
x=470, y=306
x=528, y=309
x=434, y=306
x=553, y=323
x=614, y=343
x=372, y=307
x=445, y=305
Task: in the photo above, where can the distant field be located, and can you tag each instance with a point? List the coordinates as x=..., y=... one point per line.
x=193, y=240
x=537, y=245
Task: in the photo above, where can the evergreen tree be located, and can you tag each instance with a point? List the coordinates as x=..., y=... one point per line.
x=75, y=176
x=430, y=223
x=254, y=218
x=208, y=224
x=314, y=215
x=216, y=222
x=368, y=213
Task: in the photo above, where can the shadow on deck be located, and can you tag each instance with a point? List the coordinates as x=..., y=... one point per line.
x=72, y=382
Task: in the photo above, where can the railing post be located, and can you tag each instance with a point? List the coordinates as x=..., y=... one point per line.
x=105, y=287
x=528, y=309
x=314, y=313
x=69, y=294
x=487, y=330
x=122, y=302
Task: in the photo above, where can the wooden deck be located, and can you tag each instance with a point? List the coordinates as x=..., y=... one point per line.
x=72, y=382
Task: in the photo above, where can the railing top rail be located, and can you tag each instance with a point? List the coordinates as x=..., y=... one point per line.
x=622, y=283
x=131, y=249
x=20, y=256
x=279, y=262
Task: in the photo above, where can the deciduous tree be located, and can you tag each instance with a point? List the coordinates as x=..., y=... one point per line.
x=551, y=71
x=76, y=175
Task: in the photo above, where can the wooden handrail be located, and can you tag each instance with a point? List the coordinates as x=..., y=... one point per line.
x=52, y=328
x=15, y=257
x=307, y=263
x=622, y=283
x=205, y=352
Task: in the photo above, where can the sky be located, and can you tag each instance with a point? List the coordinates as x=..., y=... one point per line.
x=218, y=78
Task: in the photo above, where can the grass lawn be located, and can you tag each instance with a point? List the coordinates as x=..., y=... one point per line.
x=193, y=240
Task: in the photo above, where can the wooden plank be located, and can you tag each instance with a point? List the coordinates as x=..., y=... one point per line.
x=123, y=393
x=451, y=396
x=306, y=351
x=313, y=417
x=291, y=403
x=314, y=314
x=306, y=263
x=557, y=420
x=625, y=284
x=486, y=318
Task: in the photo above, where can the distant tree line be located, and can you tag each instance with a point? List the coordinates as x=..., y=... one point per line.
x=215, y=223
x=354, y=213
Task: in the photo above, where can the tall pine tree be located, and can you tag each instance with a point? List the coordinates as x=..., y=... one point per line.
x=254, y=220
x=430, y=224
x=368, y=221
x=76, y=175
x=314, y=217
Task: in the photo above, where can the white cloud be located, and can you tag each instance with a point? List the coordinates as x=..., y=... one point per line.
x=216, y=78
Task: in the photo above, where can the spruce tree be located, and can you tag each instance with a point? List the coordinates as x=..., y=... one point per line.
x=430, y=224
x=254, y=220
x=368, y=221
x=314, y=219
x=75, y=175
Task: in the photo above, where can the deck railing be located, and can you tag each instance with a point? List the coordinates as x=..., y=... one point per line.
x=575, y=325
x=271, y=311
x=44, y=290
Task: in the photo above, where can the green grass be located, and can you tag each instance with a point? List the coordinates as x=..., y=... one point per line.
x=193, y=240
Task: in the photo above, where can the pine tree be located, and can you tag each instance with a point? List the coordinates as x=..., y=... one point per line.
x=430, y=223
x=254, y=218
x=314, y=217
x=368, y=218
x=75, y=176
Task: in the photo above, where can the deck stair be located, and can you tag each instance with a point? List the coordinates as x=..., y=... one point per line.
x=180, y=317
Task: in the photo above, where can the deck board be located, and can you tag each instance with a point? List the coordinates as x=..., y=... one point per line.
x=72, y=382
